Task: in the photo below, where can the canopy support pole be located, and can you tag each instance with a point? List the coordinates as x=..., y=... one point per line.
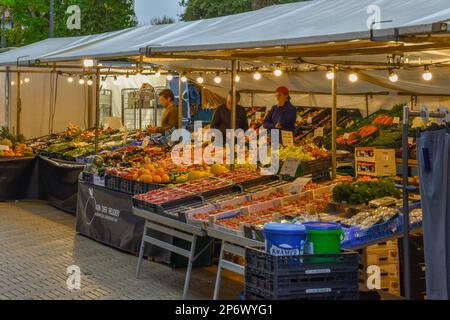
x=180, y=101
x=334, y=124
x=233, y=106
x=367, y=105
x=97, y=109
x=18, y=103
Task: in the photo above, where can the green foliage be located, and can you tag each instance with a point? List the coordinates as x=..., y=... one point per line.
x=363, y=192
x=31, y=18
x=205, y=9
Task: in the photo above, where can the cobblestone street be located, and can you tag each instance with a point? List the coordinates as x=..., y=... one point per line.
x=38, y=243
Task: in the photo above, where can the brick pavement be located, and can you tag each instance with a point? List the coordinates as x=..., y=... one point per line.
x=38, y=243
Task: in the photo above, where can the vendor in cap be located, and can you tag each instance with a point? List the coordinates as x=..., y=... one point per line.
x=283, y=115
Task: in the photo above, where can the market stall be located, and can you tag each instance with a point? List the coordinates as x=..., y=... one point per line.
x=344, y=65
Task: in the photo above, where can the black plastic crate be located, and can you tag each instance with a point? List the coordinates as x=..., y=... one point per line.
x=132, y=187
x=252, y=293
x=346, y=261
x=316, y=166
x=331, y=276
x=112, y=183
x=141, y=188
x=87, y=177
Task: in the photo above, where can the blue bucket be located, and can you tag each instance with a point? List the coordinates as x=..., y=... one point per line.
x=285, y=239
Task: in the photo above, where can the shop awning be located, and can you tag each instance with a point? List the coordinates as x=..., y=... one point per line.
x=310, y=22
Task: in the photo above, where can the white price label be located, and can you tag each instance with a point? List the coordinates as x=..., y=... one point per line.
x=346, y=136
x=310, y=120
x=99, y=181
x=290, y=167
x=318, y=132
x=288, y=138
x=396, y=120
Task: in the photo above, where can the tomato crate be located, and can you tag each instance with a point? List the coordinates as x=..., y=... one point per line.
x=301, y=277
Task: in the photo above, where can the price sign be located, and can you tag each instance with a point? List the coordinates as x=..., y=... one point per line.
x=346, y=136
x=146, y=142
x=288, y=138
x=290, y=167
x=318, y=132
x=396, y=120
x=310, y=120
x=99, y=181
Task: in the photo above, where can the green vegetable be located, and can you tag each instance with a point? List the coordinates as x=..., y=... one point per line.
x=363, y=192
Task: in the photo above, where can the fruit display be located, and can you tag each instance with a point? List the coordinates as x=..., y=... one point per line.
x=203, y=185
x=364, y=192
x=305, y=153
x=239, y=176
x=12, y=145
x=162, y=196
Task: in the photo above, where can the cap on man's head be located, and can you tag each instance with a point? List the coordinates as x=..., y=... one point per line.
x=283, y=90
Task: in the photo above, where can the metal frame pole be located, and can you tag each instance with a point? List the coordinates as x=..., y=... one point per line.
x=18, y=103
x=334, y=124
x=233, y=108
x=52, y=19
x=97, y=109
x=180, y=101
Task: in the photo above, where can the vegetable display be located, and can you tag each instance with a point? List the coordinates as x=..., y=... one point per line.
x=364, y=192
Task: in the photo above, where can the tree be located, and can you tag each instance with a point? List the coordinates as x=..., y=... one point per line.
x=162, y=20
x=204, y=9
x=31, y=18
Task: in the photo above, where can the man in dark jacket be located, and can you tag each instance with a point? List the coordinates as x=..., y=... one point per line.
x=222, y=117
x=283, y=115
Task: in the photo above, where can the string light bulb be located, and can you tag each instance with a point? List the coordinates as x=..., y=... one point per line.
x=393, y=77
x=237, y=78
x=218, y=79
x=169, y=77
x=427, y=75
x=81, y=81
x=330, y=74
x=70, y=79
x=158, y=73
x=257, y=76
x=183, y=78
x=200, y=79
x=27, y=80
x=353, y=77
x=278, y=72
x=90, y=82
x=13, y=83
x=116, y=80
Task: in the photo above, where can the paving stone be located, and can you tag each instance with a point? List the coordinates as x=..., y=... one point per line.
x=38, y=243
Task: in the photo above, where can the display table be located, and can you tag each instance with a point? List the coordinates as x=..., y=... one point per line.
x=176, y=229
x=19, y=179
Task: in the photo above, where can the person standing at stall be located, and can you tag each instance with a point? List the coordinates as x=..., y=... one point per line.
x=170, y=114
x=222, y=117
x=283, y=115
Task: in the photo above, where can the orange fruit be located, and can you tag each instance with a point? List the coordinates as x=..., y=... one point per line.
x=160, y=172
x=150, y=167
x=165, y=179
x=145, y=172
x=157, y=179
x=147, y=179
x=136, y=176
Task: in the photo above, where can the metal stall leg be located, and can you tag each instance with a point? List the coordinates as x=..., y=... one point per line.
x=141, y=252
x=189, y=269
x=219, y=273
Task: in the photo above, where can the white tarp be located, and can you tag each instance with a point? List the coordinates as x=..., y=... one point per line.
x=297, y=23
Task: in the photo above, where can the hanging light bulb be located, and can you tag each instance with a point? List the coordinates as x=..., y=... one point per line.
x=393, y=77
x=257, y=76
x=278, y=72
x=13, y=83
x=70, y=79
x=27, y=80
x=169, y=77
x=427, y=75
x=183, y=78
x=218, y=79
x=353, y=77
x=116, y=81
x=21, y=81
x=200, y=79
x=103, y=79
x=81, y=81
x=90, y=82
x=330, y=74
x=237, y=78
x=158, y=73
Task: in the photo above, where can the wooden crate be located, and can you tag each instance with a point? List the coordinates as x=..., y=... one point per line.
x=375, y=162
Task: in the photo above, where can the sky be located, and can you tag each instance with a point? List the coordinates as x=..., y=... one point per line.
x=148, y=9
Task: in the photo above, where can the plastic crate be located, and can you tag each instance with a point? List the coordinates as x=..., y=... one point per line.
x=356, y=236
x=301, y=277
x=87, y=177
x=315, y=166
x=412, y=225
x=132, y=187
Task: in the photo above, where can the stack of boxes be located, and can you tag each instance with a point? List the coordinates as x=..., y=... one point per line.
x=386, y=257
x=375, y=162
